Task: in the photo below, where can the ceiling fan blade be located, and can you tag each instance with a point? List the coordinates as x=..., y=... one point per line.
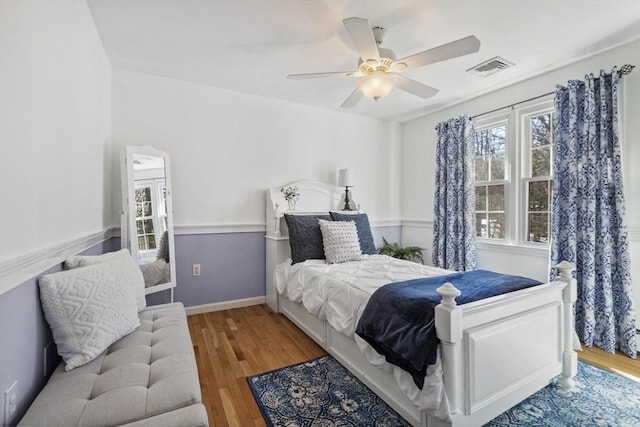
x=414, y=87
x=318, y=75
x=362, y=36
x=451, y=50
x=353, y=99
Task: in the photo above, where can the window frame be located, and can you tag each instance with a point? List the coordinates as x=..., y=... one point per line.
x=517, y=176
x=525, y=178
x=488, y=122
x=157, y=216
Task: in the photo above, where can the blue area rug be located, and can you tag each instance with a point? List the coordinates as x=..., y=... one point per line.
x=321, y=392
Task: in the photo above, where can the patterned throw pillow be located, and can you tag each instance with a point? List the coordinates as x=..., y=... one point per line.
x=89, y=308
x=305, y=238
x=340, y=240
x=135, y=279
x=367, y=244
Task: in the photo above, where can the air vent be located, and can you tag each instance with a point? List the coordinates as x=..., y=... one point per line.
x=490, y=66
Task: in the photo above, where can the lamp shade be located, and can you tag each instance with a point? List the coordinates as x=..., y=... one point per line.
x=345, y=178
x=376, y=85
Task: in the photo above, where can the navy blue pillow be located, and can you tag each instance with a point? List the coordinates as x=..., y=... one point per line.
x=305, y=237
x=367, y=246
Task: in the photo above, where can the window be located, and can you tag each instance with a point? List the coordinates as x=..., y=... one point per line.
x=513, y=180
x=537, y=176
x=490, y=150
x=151, y=216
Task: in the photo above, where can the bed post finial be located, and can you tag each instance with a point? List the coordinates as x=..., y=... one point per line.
x=448, y=292
x=569, y=296
x=449, y=330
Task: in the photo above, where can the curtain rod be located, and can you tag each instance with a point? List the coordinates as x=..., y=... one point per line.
x=622, y=71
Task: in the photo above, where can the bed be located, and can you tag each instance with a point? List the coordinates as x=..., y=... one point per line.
x=493, y=353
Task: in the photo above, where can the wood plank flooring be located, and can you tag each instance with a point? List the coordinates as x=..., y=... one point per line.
x=231, y=345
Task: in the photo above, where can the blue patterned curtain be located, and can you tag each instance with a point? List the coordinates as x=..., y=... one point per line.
x=454, y=240
x=587, y=225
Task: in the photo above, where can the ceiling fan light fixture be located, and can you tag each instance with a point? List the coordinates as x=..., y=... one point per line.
x=377, y=85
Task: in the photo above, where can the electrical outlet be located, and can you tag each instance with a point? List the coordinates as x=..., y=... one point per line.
x=10, y=403
x=196, y=270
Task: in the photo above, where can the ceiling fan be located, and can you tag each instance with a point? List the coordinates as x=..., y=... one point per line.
x=379, y=68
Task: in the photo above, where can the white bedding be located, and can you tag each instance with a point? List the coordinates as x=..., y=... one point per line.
x=339, y=294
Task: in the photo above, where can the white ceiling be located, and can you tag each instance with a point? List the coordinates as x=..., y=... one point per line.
x=251, y=45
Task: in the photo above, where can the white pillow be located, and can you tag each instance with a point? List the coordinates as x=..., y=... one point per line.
x=134, y=279
x=340, y=240
x=89, y=308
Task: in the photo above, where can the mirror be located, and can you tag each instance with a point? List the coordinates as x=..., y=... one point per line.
x=147, y=215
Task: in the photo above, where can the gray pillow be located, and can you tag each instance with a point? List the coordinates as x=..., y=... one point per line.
x=367, y=246
x=305, y=238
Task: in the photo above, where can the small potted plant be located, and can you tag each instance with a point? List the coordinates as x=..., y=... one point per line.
x=291, y=195
x=410, y=253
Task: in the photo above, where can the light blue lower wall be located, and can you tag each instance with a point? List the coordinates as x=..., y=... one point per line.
x=232, y=268
x=24, y=333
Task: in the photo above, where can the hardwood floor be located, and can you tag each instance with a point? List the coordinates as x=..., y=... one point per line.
x=617, y=363
x=231, y=345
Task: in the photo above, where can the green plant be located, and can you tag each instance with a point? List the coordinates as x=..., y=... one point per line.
x=411, y=253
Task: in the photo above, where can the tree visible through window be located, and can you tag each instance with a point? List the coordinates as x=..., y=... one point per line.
x=538, y=178
x=144, y=219
x=513, y=160
x=490, y=152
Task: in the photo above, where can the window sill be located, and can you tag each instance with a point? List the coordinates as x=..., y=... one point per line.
x=526, y=250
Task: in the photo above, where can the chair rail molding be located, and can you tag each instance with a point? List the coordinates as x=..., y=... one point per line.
x=16, y=271
x=255, y=228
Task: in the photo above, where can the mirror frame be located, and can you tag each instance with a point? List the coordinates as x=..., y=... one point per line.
x=128, y=223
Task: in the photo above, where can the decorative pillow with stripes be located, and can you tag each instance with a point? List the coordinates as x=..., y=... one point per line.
x=340, y=241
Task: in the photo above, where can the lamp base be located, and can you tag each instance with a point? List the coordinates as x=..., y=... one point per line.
x=347, y=206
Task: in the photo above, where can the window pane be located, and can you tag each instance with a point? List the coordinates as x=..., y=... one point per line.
x=139, y=229
x=481, y=198
x=481, y=225
x=540, y=161
x=482, y=168
x=142, y=244
x=541, y=130
x=148, y=226
x=497, y=167
x=539, y=196
x=143, y=194
x=138, y=210
x=151, y=244
x=496, y=225
x=496, y=197
x=538, y=227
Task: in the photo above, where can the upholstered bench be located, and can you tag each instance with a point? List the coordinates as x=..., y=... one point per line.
x=147, y=378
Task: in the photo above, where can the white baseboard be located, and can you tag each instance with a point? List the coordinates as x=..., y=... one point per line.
x=225, y=305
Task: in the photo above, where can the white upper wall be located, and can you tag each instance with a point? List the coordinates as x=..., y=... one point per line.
x=226, y=148
x=55, y=109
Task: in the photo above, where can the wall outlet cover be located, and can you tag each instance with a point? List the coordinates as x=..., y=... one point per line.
x=10, y=403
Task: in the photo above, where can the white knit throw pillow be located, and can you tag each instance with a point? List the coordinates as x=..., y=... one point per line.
x=340, y=240
x=89, y=308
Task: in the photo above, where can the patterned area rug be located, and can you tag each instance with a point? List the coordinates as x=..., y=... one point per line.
x=322, y=393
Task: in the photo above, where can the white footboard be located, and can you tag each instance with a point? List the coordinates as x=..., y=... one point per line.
x=498, y=351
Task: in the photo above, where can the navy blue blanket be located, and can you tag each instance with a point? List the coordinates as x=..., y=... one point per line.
x=399, y=319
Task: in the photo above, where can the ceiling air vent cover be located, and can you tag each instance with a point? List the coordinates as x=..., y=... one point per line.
x=490, y=66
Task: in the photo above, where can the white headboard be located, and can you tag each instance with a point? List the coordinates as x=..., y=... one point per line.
x=315, y=198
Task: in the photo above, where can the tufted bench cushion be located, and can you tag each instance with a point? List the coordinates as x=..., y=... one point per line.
x=147, y=378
